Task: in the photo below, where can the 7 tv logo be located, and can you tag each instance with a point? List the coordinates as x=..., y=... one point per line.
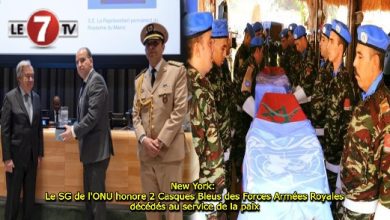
x=43, y=28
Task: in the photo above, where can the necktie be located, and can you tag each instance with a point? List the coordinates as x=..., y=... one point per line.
x=153, y=76
x=28, y=106
x=56, y=119
x=82, y=89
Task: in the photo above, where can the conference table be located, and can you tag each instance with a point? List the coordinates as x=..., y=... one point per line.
x=62, y=171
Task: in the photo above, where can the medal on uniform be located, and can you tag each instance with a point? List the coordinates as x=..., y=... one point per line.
x=165, y=98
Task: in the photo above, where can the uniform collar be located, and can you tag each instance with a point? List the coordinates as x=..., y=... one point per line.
x=157, y=67
x=335, y=72
x=371, y=90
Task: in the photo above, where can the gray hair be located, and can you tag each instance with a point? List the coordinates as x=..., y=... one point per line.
x=20, y=66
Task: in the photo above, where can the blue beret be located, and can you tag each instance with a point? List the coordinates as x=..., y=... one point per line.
x=283, y=33
x=292, y=27
x=342, y=30
x=249, y=29
x=220, y=29
x=257, y=26
x=299, y=32
x=373, y=36
x=256, y=42
x=326, y=30
x=197, y=23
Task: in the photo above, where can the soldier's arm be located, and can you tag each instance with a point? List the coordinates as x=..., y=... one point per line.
x=384, y=189
x=175, y=121
x=198, y=129
x=137, y=121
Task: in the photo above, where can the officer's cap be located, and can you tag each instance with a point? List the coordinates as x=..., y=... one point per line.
x=326, y=30
x=299, y=32
x=154, y=31
x=256, y=42
x=257, y=26
x=342, y=30
x=197, y=23
x=220, y=29
x=292, y=27
x=283, y=33
x=373, y=36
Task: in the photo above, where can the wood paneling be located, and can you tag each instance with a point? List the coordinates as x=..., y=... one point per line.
x=62, y=171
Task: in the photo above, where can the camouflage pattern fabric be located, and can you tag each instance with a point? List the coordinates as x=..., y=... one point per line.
x=242, y=54
x=222, y=87
x=318, y=97
x=341, y=99
x=365, y=161
x=295, y=60
x=306, y=72
x=205, y=130
x=241, y=120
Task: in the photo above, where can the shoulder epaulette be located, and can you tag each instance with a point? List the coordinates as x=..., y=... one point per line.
x=141, y=73
x=175, y=63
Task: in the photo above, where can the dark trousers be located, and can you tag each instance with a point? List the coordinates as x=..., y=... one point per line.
x=94, y=181
x=21, y=177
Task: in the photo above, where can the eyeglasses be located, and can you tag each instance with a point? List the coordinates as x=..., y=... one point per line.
x=153, y=43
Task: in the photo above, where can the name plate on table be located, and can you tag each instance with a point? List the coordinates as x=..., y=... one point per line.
x=58, y=132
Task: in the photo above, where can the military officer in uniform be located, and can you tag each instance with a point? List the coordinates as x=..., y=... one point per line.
x=294, y=56
x=244, y=90
x=306, y=71
x=243, y=51
x=221, y=83
x=203, y=111
x=159, y=108
x=320, y=84
x=365, y=160
x=284, y=60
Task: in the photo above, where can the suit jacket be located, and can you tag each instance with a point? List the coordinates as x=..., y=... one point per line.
x=19, y=137
x=52, y=116
x=92, y=128
x=163, y=117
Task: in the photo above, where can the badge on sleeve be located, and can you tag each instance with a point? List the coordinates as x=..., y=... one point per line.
x=386, y=145
x=347, y=104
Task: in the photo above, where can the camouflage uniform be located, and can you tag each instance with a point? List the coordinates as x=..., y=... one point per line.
x=321, y=84
x=295, y=60
x=241, y=120
x=222, y=85
x=205, y=130
x=365, y=161
x=284, y=59
x=306, y=73
x=242, y=54
x=341, y=88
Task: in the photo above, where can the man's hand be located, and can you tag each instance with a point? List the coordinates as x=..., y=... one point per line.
x=9, y=166
x=67, y=134
x=158, y=142
x=152, y=149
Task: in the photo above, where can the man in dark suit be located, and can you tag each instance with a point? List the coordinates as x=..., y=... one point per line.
x=22, y=141
x=92, y=129
x=55, y=112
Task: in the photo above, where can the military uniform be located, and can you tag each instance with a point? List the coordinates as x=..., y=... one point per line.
x=365, y=161
x=306, y=76
x=294, y=59
x=318, y=97
x=242, y=54
x=205, y=130
x=241, y=120
x=340, y=100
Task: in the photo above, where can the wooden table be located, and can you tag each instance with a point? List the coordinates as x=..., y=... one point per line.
x=61, y=169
